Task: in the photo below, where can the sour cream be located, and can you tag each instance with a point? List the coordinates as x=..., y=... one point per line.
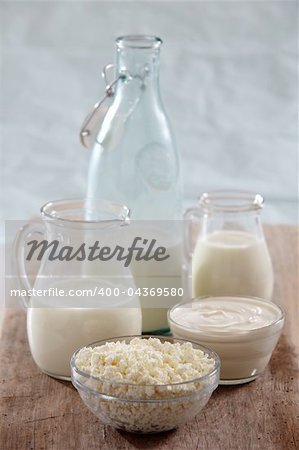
x=242, y=330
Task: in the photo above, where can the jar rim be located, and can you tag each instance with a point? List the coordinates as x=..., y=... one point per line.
x=139, y=41
x=231, y=201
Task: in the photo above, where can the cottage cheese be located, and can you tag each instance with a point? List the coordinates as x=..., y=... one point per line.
x=145, y=361
x=152, y=385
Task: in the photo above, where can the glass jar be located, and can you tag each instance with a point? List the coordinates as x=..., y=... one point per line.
x=226, y=252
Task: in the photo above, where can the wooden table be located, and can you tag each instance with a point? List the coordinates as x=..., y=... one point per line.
x=38, y=412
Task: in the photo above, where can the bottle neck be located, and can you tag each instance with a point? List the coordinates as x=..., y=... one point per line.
x=140, y=67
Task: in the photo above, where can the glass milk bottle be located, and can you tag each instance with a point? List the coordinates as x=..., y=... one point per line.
x=77, y=297
x=134, y=158
x=225, y=247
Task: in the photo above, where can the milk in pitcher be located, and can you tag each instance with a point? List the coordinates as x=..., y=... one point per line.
x=57, y=327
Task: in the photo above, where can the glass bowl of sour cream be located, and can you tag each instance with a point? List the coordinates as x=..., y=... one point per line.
x=243, y=331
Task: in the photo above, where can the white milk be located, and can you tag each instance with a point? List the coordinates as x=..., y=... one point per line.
x=159, y=275
x=54, y=332
x=242, y=330
x=232, y=263
x=146, y=274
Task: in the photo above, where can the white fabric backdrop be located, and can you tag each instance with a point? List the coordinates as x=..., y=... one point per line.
x=228, y=78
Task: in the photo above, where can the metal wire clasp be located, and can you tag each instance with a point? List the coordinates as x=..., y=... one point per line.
x=95, y=118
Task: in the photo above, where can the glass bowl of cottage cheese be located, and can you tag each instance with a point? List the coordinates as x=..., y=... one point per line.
x=145, y=384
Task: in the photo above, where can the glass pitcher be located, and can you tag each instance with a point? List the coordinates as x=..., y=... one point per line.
x=134, y=158
x=226, y=252
x=76, y=298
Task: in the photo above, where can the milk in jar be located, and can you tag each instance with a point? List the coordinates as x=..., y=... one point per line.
x=226, y=251
x=231, y=263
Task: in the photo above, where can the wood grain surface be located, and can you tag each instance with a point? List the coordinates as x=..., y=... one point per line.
x=41, y=413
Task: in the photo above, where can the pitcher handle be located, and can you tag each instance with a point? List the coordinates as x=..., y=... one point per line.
x=19, y=254
x=189, y=214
